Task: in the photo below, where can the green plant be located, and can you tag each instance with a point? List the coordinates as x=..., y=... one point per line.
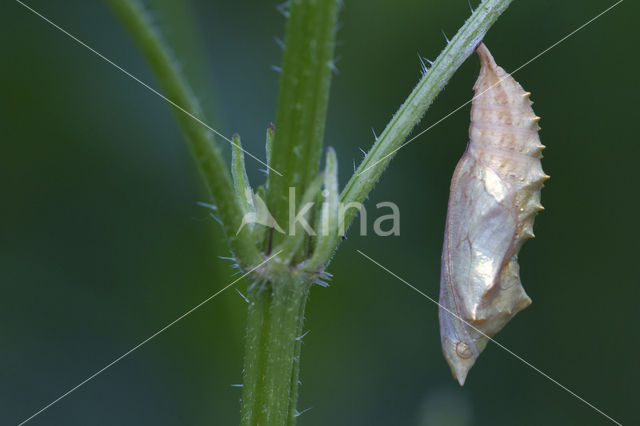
x=281, y=286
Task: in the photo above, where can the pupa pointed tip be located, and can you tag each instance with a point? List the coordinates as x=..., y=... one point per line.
x=461, y=371
x=461, y=378
x=460, y=359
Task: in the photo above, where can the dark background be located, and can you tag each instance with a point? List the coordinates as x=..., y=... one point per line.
x=102, y=242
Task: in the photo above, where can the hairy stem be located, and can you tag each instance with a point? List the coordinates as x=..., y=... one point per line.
x=302, y=102
x=419, y=101
x=272, y=360
x=276, y=312
x=200, y=139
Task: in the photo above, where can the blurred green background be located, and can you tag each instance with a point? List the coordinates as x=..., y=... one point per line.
x=102, y=242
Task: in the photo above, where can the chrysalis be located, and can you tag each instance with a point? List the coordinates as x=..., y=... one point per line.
x=494, y=197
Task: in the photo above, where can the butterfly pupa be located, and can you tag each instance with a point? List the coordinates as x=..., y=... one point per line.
x=493, y=200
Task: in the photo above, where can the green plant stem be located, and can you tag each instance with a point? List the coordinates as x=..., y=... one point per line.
x=276, y=311
x=272, y=360
x=207, y=153
x=419, y=101
x=302, y=102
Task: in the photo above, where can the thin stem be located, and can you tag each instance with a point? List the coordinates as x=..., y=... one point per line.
x=276, y=312
x=272, y=360
x=419, y=101
x=295, y=376
x=206, y=152
x=255, y=351
x=302, y=102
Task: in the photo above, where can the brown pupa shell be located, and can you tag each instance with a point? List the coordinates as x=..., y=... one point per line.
x=494, y=198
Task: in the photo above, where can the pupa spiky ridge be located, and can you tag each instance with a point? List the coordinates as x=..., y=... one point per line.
x=494, y=197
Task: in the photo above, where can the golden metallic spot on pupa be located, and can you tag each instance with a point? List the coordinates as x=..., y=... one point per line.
x=463, y=350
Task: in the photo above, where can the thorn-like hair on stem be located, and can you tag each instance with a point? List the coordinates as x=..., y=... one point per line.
x=231, y=258
x=321, y=283
x=207, y=205
x=334, y=67
x=299, y=413
x=217, y=219
x=299, y=338
x=283, y=8
x=445, y=37
x=326, y=275
x=243, y=296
